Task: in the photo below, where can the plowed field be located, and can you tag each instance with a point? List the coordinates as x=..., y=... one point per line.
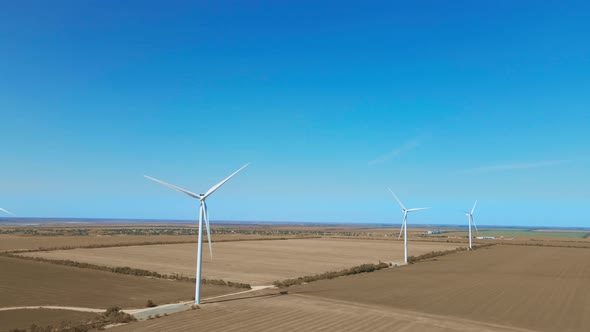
x=29, y=283
x=545, y=289
x=254, y=262
x=306, y=313
x=501, y=288
x=20, y=319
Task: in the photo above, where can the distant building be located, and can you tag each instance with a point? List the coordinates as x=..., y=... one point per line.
x=485, y=237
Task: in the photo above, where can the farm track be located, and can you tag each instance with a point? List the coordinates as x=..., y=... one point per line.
x=133, y=311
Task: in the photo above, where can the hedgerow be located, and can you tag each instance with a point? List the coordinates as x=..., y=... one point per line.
x=364, y=268
x=129, y=271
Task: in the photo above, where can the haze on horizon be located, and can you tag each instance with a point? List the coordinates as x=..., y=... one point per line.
x=331, y=102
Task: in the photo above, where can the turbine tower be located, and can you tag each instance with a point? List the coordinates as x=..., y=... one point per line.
x=203, y=215
x=7, y=212
x=405, y=225
x=470, y=217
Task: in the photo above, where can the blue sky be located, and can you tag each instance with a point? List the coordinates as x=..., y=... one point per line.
x=332, y=102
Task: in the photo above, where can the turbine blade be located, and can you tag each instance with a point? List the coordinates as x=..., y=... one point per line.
x=174, y=187
x=7, y=212
x=215, y=187
x=397, y=199
x=418, y=209
x=403, y=224
x=474, y=225
x=208, y=229
x=474, y=204
x=400, y=231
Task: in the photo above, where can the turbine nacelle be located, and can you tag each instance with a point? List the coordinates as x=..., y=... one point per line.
x=203, y=213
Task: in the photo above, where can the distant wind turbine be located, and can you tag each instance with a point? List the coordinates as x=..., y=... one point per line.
x=7, y=212
x=470, y=217
x=203, y=215
x=405, y=224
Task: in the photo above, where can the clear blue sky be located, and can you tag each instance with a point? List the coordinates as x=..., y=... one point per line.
x=331, y=102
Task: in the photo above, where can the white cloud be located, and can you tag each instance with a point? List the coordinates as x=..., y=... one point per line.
x=396, y=152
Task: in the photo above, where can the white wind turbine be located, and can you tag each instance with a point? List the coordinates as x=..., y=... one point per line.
x=7, y=212
x=405, y=224
x=203, y=215
x=470, y=217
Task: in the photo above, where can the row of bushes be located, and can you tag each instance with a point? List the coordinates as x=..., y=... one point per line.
x=147, y=243
x=112, y=315
x=541, y=244
x=433, y=254
x=94, y=246
x=364, y=268
x=130, y=271
x=368, y=267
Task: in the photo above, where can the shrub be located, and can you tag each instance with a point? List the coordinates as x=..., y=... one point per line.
x=112, y=315
x=127, y=270
x=364, y=268
x=150, y=304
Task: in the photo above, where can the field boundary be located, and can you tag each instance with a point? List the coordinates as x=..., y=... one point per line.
x=147, y=243
x=434, y=254
x=363, y=268
x=129, y=271
x=110, y=316
x=367, y=268
x=540, y=244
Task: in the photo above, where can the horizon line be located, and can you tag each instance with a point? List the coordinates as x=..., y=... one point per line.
x=141, y=220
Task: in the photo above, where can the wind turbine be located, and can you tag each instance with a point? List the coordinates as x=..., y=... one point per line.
x=470, y=217
x=7, y=212
x=203, y=215
x=405, y=224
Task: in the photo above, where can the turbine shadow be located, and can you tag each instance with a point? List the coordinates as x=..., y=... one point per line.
x=244, y=298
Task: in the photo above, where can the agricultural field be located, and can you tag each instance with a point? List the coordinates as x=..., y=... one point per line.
x=253, y=262
x=29, y=242
x=31, y=283
x=59, y=237
x=499, y=288
x=123, y=237
x=528, y=233
x=544, y=289
x=24, y=318
x=505, y=287
x=300, y=312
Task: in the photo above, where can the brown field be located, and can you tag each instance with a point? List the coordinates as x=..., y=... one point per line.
x=41, y=317
x=27, y=242
x=254, y=262
x=544, y=289
x=501, y=288
x=30, y=283
x=299, y=312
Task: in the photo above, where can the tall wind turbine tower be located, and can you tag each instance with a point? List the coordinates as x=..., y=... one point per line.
x=203, y=215
x=470, y=217
x=405, y=224
x=7, y=212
